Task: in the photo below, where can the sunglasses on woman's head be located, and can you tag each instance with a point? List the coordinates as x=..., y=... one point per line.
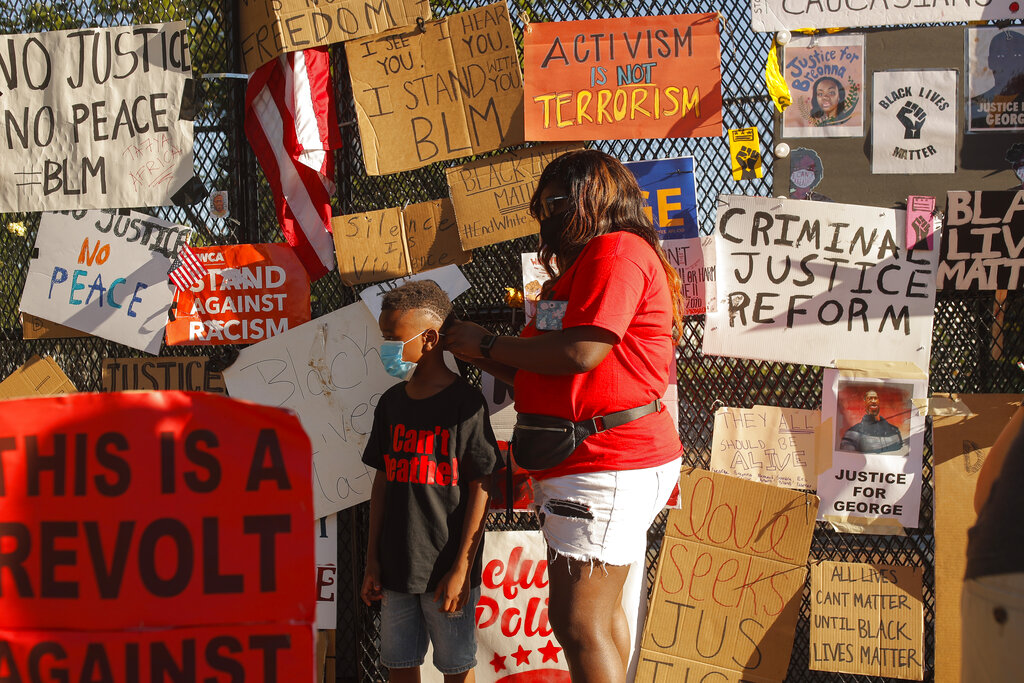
x=547, y=205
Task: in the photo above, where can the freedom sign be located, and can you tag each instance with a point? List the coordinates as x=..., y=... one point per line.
x=812, y=282
x=775, y=15
x=170, y=533
x=617, y=79
x=95, y=118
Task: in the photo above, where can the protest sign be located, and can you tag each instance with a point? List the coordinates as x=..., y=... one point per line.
x=731, y=570
x=195, y=552
x=92, y=118
x=622, y=78
x=745, y=153
x=448, y=278
x=390, y=243
x=825, y=75
x=983, y=241
x=995, y=62
x=812, y=282
x=33, y=327
x=104, y=273
x=37, y=377
x=251, y=292
x=696, y=274
x=534, y=277
x=867, y=619
x=327, y=572
x=775, y=15
x=272, y=27
x=964, y=429
x=670, y=188
x=492, y=195
x=171, y=373
x=329, y=372
x=914, y=116
x=869, y=477
x=769, y=444
x=452, y=89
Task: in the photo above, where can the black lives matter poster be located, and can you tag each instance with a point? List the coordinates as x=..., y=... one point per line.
x=983, y=243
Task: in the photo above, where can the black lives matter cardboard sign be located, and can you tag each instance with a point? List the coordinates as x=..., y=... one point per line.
x=983, y=243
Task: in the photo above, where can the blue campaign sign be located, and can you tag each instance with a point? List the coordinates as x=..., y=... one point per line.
x=671, y=193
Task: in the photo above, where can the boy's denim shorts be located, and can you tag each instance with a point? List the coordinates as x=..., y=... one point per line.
x=407, y=621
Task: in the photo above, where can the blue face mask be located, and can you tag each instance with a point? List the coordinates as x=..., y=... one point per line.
x=391, y=357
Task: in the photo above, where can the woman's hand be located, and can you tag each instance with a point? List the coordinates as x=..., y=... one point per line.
x=463, y=339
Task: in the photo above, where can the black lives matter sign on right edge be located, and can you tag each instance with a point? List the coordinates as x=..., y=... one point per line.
x=983, y=243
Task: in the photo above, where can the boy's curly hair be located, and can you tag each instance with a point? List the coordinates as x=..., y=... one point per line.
x=418, y=294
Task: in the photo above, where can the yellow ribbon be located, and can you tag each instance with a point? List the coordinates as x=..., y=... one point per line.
x=777, y=87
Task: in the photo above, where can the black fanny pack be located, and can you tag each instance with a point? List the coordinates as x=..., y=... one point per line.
x=540, y=442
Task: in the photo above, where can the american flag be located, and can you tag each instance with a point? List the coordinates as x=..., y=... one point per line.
x=187, y=269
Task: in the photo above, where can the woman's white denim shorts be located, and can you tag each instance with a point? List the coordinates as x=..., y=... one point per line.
x=603, y=516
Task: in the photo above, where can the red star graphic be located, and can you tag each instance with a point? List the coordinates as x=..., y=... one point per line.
x=522, y=656
x=498, y=662
x=550, y=652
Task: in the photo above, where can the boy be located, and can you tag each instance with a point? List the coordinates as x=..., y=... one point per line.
x=433, y=446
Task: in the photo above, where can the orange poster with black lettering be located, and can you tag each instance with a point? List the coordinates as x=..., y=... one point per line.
x=251, y=293
x=617, y=79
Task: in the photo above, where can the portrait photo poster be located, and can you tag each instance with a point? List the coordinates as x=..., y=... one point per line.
x=825, y=75
x=995, y=78
x=913, y=121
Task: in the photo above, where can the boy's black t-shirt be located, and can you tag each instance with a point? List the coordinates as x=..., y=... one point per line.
x=430, y=450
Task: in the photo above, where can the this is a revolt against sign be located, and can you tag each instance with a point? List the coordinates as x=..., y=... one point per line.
x=92, y=118
x=813, y=282
x=983, y=244
x=104, y=273
x=171, y=534
x=451, y=90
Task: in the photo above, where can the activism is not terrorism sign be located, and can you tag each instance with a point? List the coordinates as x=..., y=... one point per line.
x=154, y=535
x=94, y=118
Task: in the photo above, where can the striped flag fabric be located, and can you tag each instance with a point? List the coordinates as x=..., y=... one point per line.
x=291, y=123
x=187, y=269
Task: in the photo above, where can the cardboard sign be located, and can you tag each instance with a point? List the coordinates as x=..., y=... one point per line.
x=670, y=188
x=37, y=377
x=492, y=195
x=731, y=573
x=768, y=444
x=775, y=15
x=623, y=78
x=251, y=292
x=825, y=76
x=197, y=527
x=914, y=116
x=448, y=278
x=327, y=572
x=390, y=243
x=961, y=442
x=812, y=282
x=104, y=273
x=867, y=619
x=984, y=240
x=33, y=327
x=329, y=372
x=273, y=27
x=172, y=373
x=452, y=90
x=92, y=118
x=996, y=94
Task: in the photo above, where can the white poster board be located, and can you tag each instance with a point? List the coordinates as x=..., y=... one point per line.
x=94, y=118
x=329, y=372
x=913, y=127
x=775, y=15
x=327, y=572
x=811, y=282
x=105, y=274
x=449, y=278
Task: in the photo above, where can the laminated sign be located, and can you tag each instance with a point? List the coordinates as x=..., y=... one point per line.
x=452, y=89
x=95, y=118
x=155, y=536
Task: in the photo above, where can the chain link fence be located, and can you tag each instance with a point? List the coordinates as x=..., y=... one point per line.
x=976, y=344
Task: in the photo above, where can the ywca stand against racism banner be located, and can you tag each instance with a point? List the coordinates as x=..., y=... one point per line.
x=631, y=77
x=983, y=246
x=94, y=118
x=251, y=293
x=154, y=536
x=104, y=273
x=813, y=282
x=825, y=75
x=914, y=122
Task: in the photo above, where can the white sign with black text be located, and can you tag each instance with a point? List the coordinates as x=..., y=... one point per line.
x=913, y=126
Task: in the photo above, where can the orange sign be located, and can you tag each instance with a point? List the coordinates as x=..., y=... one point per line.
x=616, y=79
x=251, y=293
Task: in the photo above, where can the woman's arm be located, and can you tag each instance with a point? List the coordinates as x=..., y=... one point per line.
x=561, y=352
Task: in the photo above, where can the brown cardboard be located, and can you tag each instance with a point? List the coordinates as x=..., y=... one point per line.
x=867, y=619
x=960, y=445
x=433, y=236
x=37, y=377
x=273, y=27
x=188, y=373
x=769, y=444
x=730, y=578
x=33, y=327
x=453, y=89
x=492, y=195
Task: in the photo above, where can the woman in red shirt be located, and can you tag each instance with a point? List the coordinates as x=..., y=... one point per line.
x=602, y=342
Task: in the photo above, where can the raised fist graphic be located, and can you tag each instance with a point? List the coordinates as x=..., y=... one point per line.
x=912, y=117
